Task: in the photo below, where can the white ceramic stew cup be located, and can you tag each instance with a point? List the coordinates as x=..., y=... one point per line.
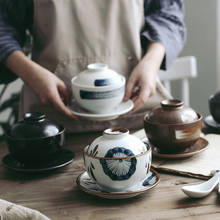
x=119, y=168
x=99, y=89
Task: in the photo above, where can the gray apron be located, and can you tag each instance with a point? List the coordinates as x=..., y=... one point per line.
x=70, y=34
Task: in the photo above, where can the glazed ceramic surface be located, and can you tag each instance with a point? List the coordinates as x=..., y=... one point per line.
x=172, y=112
x=98, y=75
x=88, y=185
x=122, y=108
x=203, y=189
x=34, y=138
x=214, y=106
x=117, y=160
x=98, y=89
x=173, y=127
x=211, y=123
x=197, y=148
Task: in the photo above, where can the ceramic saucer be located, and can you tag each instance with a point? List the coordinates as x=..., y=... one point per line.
x=121, y=109
x=62, y=159
x=86, y=184
x=210, y=122
x=198, y=147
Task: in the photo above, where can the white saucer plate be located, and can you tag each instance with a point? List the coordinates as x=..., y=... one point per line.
x=86, y=184
x=121, y=109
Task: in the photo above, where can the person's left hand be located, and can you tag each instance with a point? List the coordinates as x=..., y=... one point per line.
x=141, y=85
x=142, y=82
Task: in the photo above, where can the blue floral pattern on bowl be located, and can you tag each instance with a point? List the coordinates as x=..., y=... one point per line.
x=121, y=169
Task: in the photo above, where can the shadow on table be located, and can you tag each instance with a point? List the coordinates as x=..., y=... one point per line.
x=15, y=176
x=196, y=202
x=92, y=200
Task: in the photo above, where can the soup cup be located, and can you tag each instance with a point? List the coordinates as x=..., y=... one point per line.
x=98, y=89
x=35, y=138
x=117, y=161
x=172, y=127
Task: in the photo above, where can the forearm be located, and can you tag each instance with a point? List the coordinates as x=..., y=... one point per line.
x=154, y=55
x=23, y=67
x=47, y=86
x=164, y=23
x=15, y=18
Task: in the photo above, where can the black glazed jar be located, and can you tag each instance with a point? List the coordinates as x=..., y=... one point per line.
x=35, y=138
x=214, y=106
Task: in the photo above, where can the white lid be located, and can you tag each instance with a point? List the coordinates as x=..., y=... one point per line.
x=117, y=139
x=98, y=75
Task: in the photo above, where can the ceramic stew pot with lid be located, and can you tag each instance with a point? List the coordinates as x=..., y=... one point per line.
x=35, y=138
x=117, y=160
x=98, y=89
x=172, y=126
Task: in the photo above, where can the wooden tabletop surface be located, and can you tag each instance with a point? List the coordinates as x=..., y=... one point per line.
x=56, y=194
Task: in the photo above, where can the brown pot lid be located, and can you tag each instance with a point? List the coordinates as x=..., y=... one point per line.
x=172, y=112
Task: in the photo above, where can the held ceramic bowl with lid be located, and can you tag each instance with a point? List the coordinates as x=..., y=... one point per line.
x=98, y=74
x=34, y=138
x=98, y=89
x=172, y=127
x=117, y=160
x=214, y=106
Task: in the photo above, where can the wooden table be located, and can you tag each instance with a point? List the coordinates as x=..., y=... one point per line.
x=56, y=195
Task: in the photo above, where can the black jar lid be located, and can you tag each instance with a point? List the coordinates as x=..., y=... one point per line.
x=216, y=97
x=34, y=125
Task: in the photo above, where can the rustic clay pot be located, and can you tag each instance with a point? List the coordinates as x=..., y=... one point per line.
x=172, y=127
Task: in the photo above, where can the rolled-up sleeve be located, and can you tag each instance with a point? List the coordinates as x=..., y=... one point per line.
x=164, y=23
x=12, y=34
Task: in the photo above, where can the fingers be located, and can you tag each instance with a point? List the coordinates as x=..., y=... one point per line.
x=58, y=95
x=129, y=88
x=64, y=93
x=60, y=106
x=143, y=96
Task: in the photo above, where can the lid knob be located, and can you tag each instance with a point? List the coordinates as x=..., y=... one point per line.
x=34, y=117
x=171, y=103
x=97, y=66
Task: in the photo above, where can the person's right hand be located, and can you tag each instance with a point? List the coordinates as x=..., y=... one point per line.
x=51, y=91
x=49, y=88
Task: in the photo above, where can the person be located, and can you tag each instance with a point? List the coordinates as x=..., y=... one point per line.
x=135, y=38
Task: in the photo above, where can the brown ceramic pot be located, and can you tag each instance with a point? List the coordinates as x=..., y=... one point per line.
x=172, y=127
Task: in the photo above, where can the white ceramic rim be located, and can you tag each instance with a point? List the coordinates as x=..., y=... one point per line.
x=98, y=88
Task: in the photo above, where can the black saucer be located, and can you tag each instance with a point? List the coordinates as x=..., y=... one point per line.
x=210, y=122
x=63, y=158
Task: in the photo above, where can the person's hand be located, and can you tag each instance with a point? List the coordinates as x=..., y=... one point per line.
x=141, y=84
x=51, y=91
x=47, y=86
